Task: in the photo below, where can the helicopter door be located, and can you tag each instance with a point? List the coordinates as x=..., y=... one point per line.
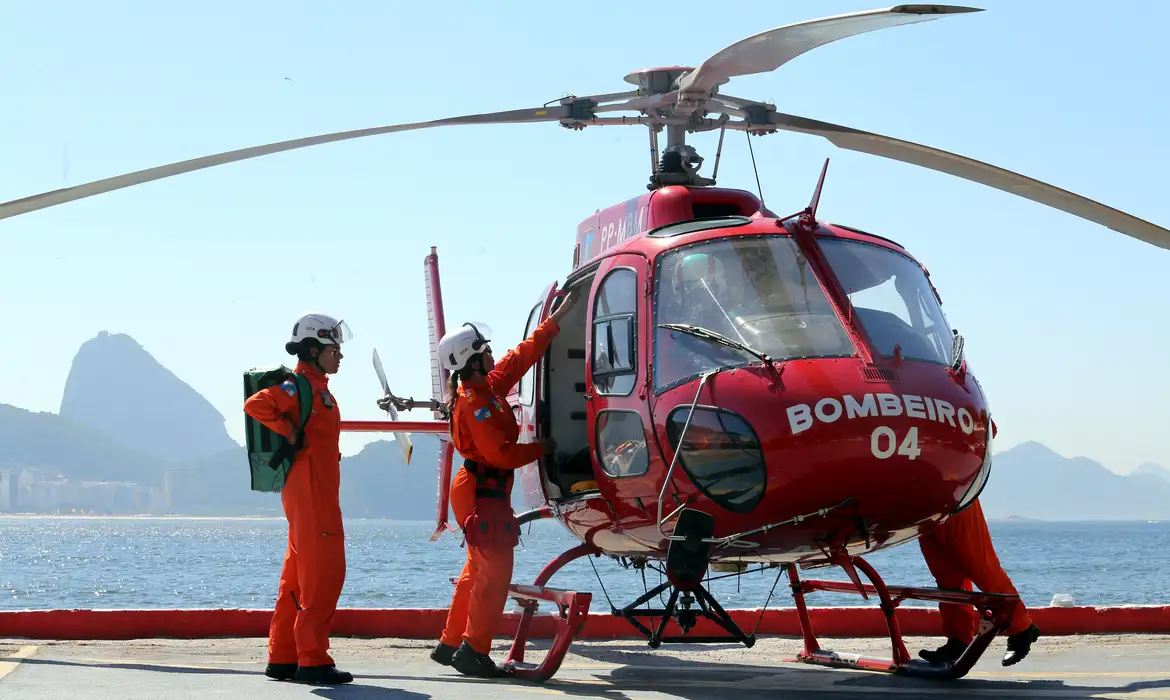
x=532, y=481
x=618, y=418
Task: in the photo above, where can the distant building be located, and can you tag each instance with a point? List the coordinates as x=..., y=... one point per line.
x=33, y=490
x=7, y=487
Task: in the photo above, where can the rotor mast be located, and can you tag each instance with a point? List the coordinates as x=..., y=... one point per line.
x=679, y=164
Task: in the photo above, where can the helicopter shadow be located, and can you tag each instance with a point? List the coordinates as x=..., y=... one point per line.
x=368, y=692
x=639, y=669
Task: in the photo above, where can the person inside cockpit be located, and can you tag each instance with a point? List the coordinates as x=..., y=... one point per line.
x=701, y=293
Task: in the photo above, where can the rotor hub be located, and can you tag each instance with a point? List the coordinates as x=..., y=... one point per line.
x=656, y=81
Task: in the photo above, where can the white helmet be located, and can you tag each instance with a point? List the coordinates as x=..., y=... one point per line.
x=457, y=347
x=322, y=328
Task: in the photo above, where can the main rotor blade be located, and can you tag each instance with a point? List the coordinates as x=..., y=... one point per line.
x=69, y=194
x=767, y=51
x=976, y=171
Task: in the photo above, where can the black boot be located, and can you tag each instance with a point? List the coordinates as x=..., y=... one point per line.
x=325, y=675
x=469, y=662
x=947, y=653
x=1019, y=644
x=281, y=672
x=442, y=654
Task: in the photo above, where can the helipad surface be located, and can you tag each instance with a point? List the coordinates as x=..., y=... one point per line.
x=387, y=669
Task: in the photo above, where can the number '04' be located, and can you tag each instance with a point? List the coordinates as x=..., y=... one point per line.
x=884, y=442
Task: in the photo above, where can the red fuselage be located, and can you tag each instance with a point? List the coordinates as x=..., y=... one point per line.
x=863, y=410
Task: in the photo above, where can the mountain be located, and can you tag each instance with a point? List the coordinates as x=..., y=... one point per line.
x=1150, y=469
x=110, y=429
x=1031, y=480
x=55, y=445
x=374, y=484
x=117, y=387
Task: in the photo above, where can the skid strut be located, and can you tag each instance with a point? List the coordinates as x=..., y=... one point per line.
x=684, y=616
x=573, y=610
x=995, y=611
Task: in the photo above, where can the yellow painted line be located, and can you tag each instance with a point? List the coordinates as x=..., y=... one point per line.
x=7, y=666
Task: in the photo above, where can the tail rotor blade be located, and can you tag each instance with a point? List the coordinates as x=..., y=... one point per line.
x=976, y=171
x=69, y=194
x=405, y=446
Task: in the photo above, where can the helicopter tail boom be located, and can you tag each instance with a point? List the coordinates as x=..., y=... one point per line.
x=437, y=327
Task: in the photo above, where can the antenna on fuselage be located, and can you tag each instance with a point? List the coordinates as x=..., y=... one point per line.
x=807, y=217
x=816, y=198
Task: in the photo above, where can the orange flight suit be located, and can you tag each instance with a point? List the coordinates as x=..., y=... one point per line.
x=484, y=432
x=958, y=553
x=314, y=563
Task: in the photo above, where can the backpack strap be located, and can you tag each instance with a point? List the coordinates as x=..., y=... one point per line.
x=305, y=401
x=305, y=407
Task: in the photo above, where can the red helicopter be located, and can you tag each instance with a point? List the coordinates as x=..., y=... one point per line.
x=734, y=389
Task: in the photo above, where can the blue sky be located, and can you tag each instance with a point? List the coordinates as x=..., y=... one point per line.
x=208, y=270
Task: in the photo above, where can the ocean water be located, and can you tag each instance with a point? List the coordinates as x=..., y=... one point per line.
x=93, y=562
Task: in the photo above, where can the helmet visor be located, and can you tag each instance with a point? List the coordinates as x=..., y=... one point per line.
x=338, y=334
x=483, y=333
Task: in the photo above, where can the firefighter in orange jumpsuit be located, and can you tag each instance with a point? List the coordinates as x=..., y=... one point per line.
x=958, y=553
x=314, y=563
x=484, y=432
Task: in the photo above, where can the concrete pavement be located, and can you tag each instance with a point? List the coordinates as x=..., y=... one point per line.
x=386, y=669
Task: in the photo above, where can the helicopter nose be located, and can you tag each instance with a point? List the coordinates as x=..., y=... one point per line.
x=897, y=456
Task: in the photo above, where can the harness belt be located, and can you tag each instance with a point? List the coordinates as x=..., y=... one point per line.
x=484, y=476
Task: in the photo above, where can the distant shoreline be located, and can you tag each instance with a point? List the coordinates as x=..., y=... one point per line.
x=144, y=516
x=87, y=516
x=273, y=518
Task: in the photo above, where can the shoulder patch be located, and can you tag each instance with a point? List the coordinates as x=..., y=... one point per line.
x=290, y=387
x=482, y=413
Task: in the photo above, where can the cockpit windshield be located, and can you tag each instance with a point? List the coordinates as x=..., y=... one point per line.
x=758, y=291
x=892, y=300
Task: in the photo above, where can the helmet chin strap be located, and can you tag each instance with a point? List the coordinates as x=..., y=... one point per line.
x=317, y=358
x=475, y=364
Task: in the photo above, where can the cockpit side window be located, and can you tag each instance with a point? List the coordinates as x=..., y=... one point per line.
x=892, y=300
x=615, y=317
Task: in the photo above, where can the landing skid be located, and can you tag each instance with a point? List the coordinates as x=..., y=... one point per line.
x=994, y=614
x=995, y=611
x=573, y=608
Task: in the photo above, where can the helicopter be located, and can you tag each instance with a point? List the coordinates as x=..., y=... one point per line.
x=724, y=394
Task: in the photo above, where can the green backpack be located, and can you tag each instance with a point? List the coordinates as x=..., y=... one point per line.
x=269, y=453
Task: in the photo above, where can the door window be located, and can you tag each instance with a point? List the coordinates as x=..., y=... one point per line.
x=615, y=313
x=621, y=444
x=526, y=382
